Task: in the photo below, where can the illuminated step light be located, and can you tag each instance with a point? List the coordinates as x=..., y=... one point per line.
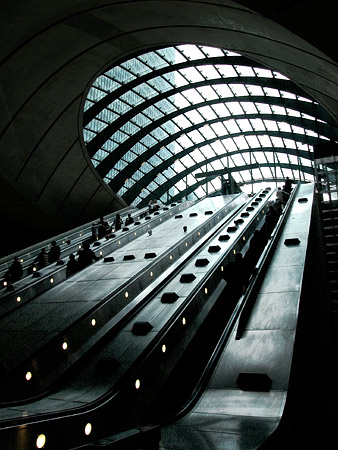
x=205, y=290
x=184, y=321
x=137, y=384
x=88, y=429
x=5, y=283
x=64, y=345
x=93, y=322
x=51, y=280
x=186, y=244
x=18, y=299
x=244, y=238
x=171, y=257
x=40, y=441
x=28, y=376
x=126, y=294
x=151, y=274
x=34, y=269
x=234, y=251
x=164, y=348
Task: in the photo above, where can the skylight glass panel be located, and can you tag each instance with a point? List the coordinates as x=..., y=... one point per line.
x=185, y=141
x=221, y=110
x=245, y=71
x=109, y=145
x=96, y=125
x=237, y=159
x=229, y=144
x=165, y=106
x=289, y=143
x=266, y=73
x=249, y=107
x=292, y=112
x=160, y=84
x=123, y=74
x=266, y=172
x=192, y=74
x=245, y=174
x=306, y=162
x=217, y=164
x=231, y=126
x=218, y=128
x=257, y=124
x=209, y=72
x=153, y=112
x=193, y=96
x=284, y=126
x=218, y=147
x=293, y=159
x=191, y=51
x=197, y=156
x=259, y=157
x=211, y=52
x=255, y=90
x=244, y=124
x=296, y=129
x=207, y=112
x=95, y=94
x=280, y=76
x=119, y=107
x=137, y=67
x=277, y=141
x=182, y=122
x=269, y=156
x=196, y=136
x=286, y=94
x=256, y=174
x=304, y=99
x=194, y=116
x=159, y=134
x=271, y=92
x=240, y=142
x=253, y=141
x=278, y=110
x=154, y=60
x=187, y=161
x=179, y=100
x=179, y=79
x=263, y=108
x=265, y=140
x=179, y=167
x=239, y=90
x=207, y=92
x=88, y=135
x=226, y=70
x=223, y=91
x=282, y=157
x=270, y=125
x=88, y=104
x=311, y=133
x=208, y=132
x=130, y=128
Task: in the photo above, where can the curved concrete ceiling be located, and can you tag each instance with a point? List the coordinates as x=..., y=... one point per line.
x=51, y=52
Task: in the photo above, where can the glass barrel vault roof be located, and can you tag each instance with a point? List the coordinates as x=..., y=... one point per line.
x=154, y=122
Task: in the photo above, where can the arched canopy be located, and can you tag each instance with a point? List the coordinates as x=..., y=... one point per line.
x=155, y=123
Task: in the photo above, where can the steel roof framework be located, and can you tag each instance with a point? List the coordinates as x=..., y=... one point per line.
x=152, y=123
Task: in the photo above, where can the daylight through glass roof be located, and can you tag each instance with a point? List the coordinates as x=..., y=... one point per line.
x=176, y=122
